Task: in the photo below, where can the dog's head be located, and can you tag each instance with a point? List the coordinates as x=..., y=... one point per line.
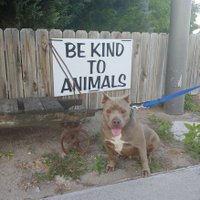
x=116, y=113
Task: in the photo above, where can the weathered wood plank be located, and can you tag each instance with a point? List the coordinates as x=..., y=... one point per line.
x=152, y=65
x=42, y=48
x=51, y=105
x=162, y=64
x=84, y=97
x=105, y=34
x=3, y=81
x=144, y=55
x=127, y=35
x=29, y=64
x=54, y=33
x=32, y=105
x=68, y=103
x=8, y=106
x=13, y=63
x=93, y=98
x=115, y=35
x=69, y=34
x=136, y=65
x=191, y=58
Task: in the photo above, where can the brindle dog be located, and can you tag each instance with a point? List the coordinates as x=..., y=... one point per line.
x=124, y=135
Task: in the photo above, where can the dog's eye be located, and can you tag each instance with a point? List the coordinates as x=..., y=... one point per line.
x=108, y=111
x=123, y=111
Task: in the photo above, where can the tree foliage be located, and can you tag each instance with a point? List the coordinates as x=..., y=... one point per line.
x=111, y=15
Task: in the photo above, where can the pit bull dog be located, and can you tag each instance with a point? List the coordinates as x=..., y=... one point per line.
x=124, y=135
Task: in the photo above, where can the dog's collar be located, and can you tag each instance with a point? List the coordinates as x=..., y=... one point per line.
x=131, y=113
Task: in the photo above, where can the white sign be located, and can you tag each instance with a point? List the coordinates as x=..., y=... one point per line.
x=95, y=65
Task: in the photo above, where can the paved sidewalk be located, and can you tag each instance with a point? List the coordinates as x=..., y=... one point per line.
x=181, y=184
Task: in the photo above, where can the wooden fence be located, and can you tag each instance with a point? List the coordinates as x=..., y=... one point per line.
x=26, y=63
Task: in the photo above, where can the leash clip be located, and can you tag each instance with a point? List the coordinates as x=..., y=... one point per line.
x=137, y=107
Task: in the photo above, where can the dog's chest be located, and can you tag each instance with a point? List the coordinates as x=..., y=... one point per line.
x=118, y=143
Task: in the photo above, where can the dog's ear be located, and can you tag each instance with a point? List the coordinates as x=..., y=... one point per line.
x=126, y=98
x=105, y=98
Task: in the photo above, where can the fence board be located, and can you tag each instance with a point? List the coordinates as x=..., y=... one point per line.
x=126, y=35
x=43, y=65
x=29, y=67
x=13, y=63
x=84, y=97
x=143, y=70
x=151, y=91
x=69, y=34
x=54, y=33
x=196, y=65
x=105, y=34
x=136, y=64
x=190, y=63
x=3, y=81
x=94, y=98
x=162, y=61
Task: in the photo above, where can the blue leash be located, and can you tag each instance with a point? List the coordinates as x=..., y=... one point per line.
x=149, y=104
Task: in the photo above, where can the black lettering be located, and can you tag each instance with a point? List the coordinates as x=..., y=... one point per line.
x=80, y=52
x=78, y=85
x=119, y=49
x=110, y=49
x=70, y=50
x=106, y=82
x=101, y=66
x=66, y=85
x=94, y=84
x=103, y=49
x=121, y=79
x=113, y=82
x=94, y=50
x=91, y=65
x=85, y=83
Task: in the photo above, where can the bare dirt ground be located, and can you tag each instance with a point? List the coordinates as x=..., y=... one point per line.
x=28, y=144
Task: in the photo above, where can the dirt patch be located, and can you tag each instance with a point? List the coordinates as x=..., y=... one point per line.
x=26, y=146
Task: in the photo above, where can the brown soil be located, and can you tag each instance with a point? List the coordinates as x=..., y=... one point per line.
x=29, y=144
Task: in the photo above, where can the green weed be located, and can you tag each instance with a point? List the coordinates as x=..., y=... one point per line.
x=71, y=165
x=162, y=127
x=100, y=164
x=156, y=166
x=192, y=139
x=6, y=154
x=190, y=105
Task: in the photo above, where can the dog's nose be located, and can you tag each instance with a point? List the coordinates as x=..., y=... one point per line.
x=116, y=122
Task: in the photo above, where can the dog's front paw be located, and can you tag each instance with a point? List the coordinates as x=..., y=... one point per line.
x=146, y=173
x=110, y=166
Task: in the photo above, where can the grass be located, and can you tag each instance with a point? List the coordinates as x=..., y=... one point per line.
x=192, y=140
x=71, y=165
x=156, y=166
x=99, y=164
x=162, y=128
x=96, y=138
x=190, y=105
x=6, y=154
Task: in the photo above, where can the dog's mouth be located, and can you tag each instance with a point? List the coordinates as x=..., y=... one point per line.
x=116, y=131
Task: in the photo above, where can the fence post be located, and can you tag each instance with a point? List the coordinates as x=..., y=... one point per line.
x=177, y=54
